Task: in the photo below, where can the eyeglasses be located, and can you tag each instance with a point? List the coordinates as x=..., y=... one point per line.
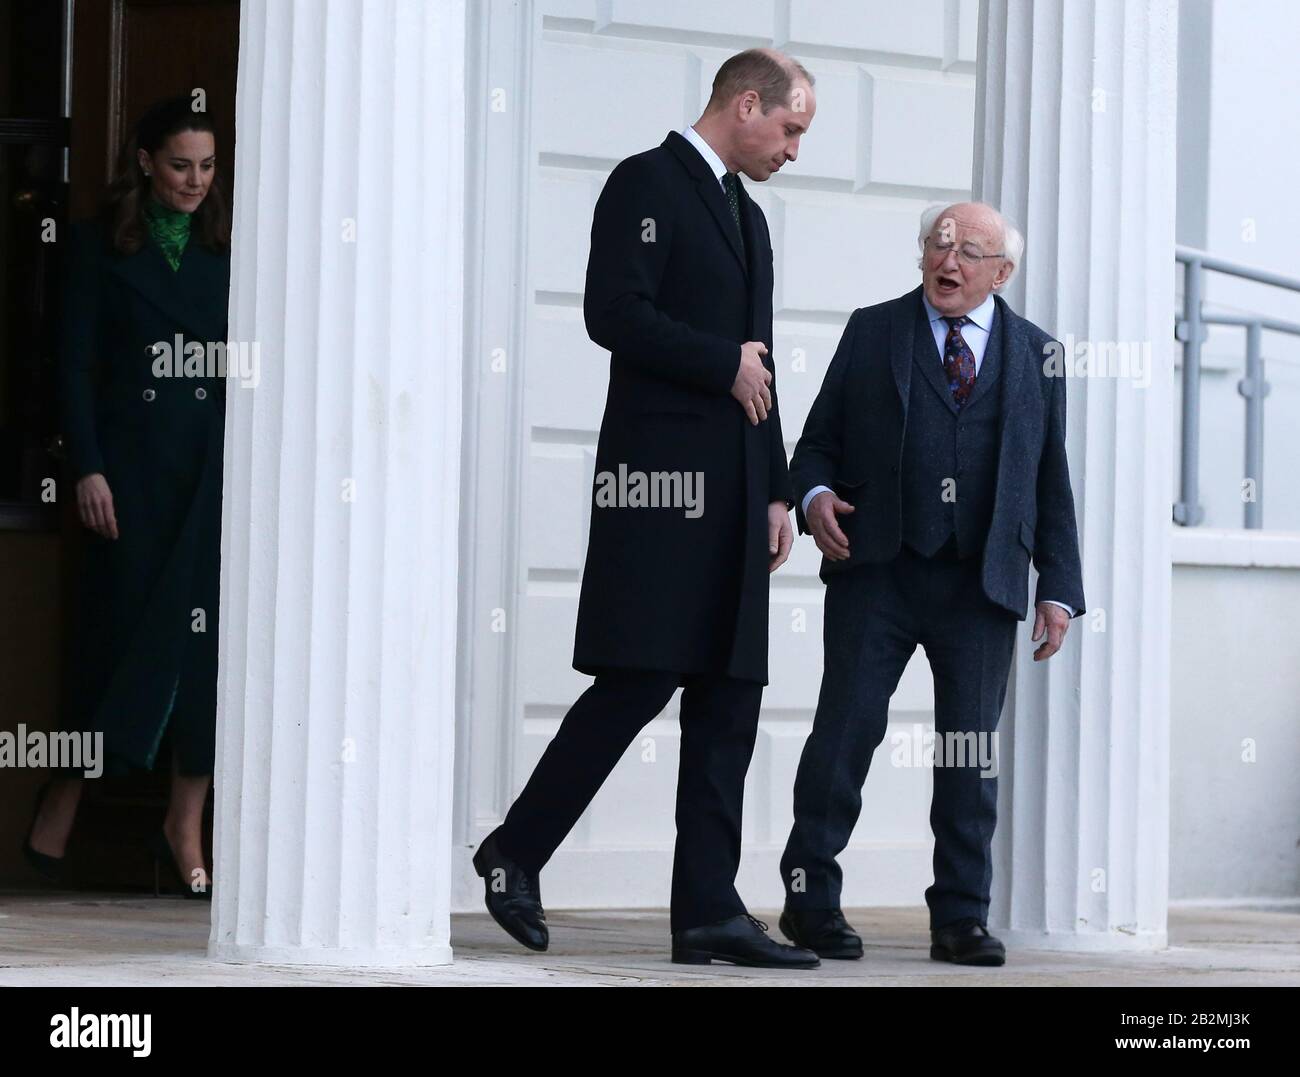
x=972, y=256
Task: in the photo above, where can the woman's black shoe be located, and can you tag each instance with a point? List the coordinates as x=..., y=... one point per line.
x=48, y=867
x=162, y=854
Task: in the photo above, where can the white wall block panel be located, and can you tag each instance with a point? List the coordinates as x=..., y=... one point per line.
x=555, y=539
x=569, y=9
x=968, y=20
x=566, y=375
x=911, y=29
x=802, y=352
x=920, y=132
x=754, y=19
x=576, y=114
x=844, y=253
x=561, y=237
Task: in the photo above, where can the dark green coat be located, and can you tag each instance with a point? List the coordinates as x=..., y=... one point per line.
x=137, y=668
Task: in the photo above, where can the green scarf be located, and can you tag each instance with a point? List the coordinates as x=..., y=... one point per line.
x=169, y=227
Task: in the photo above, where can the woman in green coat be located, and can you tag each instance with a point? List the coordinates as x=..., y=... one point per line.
x=143, y=416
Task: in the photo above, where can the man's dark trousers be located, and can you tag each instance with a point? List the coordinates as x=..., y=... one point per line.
x=719, y=723
x=875, y=616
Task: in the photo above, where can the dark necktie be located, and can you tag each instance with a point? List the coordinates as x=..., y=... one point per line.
x=733, y=201
x=958, y=362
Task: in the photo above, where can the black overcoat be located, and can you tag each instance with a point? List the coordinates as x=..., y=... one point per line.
x=672, y=297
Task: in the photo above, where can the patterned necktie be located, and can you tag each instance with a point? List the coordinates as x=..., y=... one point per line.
x=958, y=362
x=733, y=200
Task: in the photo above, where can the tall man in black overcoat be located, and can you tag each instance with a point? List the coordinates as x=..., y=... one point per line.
x=931, y=469
x=679, y=290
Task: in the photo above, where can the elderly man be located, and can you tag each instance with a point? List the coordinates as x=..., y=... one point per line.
x=679, y=289
x=931, y=468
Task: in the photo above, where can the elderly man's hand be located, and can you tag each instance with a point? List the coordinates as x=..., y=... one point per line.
x=825, y=528
x=1049, y=616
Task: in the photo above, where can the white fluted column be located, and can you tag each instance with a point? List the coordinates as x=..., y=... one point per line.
x=342, y=475
x=1075, y=142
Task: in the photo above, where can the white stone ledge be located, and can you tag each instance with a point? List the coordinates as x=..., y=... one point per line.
x=1235, y=548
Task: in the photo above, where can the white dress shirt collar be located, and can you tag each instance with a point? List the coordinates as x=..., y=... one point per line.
x=706, y=151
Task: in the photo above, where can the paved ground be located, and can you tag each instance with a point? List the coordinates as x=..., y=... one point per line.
x=84, y=939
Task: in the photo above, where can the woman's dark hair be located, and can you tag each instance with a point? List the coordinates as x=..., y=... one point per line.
x=125, y=199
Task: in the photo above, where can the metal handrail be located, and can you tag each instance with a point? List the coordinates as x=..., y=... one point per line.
x=1190, y=330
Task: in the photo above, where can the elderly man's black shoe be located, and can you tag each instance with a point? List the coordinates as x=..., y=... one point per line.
x=512, y=896
x=966, y=942
x=741, y=940
x=823, y=931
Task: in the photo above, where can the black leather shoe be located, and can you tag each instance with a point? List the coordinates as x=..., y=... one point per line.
x=512, y=896
x=741, y=940
x=823, y=931
x=966, y=942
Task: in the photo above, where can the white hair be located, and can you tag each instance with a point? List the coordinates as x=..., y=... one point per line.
x=1013, y=243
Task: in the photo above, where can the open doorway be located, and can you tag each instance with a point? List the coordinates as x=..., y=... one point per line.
x=75, y=76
